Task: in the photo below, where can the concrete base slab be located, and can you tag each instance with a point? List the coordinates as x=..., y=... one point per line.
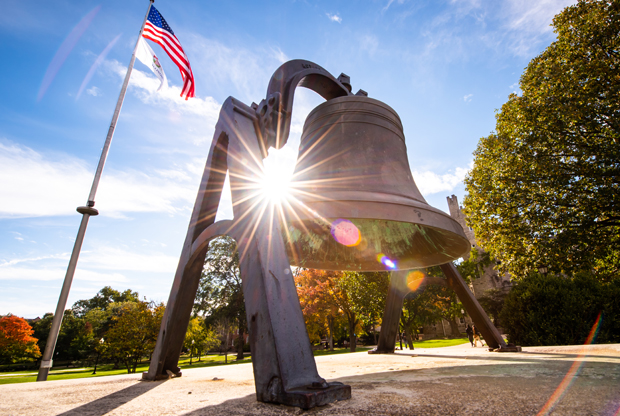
x=443, y=381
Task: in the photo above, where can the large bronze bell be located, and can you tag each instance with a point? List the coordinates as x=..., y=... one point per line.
x=356, y=205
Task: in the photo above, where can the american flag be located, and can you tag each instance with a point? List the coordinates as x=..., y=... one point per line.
x=158, y=30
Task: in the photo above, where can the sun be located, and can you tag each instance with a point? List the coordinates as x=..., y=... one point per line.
x=275, y=185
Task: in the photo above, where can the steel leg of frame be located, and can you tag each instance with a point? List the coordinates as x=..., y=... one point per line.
x=397, y=292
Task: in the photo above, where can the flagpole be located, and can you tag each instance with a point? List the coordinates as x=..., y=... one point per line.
x=86, y=211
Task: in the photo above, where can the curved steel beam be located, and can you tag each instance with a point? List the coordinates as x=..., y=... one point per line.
x=201, y=243
x=274, y=112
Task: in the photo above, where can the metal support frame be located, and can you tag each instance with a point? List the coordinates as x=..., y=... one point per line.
x=284, y=368
x=398, y=290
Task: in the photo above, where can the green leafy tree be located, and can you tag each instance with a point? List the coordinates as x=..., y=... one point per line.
x=492, y=301
x=134, y=332
x=449, y=308
x=199, y=338
x=557, y=310
x=420, y=307
x=102, y=300
x=16, y=341
x=473, y=267
x=223, y=327
x=220, y=293
x=545, y=188
x=74, y=339
x=446, y=300
x=367, y=293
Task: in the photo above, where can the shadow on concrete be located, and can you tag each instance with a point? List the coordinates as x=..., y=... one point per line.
x=453, y=391
x=506, y=356
x=567, y=355
x=499, y=357
x=112, y=401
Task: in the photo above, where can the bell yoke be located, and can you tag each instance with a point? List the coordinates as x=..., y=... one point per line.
x=354, y=206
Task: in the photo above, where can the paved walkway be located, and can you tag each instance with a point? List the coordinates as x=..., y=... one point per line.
x=456, y=380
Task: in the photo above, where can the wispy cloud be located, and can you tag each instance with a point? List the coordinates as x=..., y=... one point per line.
x=468, y=28
x=34, y=185
x=13, y=262
x=516, y=89
x=58, y=273
x=233, y=69
x=100, y=59
x=369, y=43
x=429, y=182
x=94, y=91
x=105, y=264
x=18, y=237
x=529, y=21
x=467, y=98
x=124, y=259
x=389, y=3
x=334, y=17
x=145, y=87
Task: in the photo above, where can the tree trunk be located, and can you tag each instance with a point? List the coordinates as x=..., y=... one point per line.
x=352, y=325
x=96, y=361
x=226, y=348
x=330, y=328
x=409, y=336
x=240, y=323
x=240, y=345
x=374, y=333
x=454, y=327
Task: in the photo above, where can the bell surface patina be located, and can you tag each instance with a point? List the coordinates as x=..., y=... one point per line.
x=356, y=205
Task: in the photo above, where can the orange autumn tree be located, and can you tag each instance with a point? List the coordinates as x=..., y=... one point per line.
x=324, y=301
x=16, y=341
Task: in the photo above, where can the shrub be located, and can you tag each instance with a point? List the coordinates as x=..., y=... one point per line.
x=556, y=310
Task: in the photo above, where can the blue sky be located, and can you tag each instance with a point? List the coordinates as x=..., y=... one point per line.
x=444, y=66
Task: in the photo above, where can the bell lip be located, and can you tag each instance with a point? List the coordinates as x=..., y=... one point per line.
x=466, y=246
x=443, y=229
x=350, y=98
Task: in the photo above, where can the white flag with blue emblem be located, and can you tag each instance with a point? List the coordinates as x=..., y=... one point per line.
x=146, y=55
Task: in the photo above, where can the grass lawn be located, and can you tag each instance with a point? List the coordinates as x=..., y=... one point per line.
x=438, y=343
x=62, y=373
x=106, y=369
x=338, y=351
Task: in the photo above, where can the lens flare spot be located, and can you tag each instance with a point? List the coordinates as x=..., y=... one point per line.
x=386, y=261
x=414, y=280
x=573, y=371
x=64, y=50
x=346, y=233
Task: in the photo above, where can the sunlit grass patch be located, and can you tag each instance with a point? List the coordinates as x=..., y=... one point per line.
x=438, y=343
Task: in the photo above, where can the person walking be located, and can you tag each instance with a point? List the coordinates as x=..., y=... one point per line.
x=470, y=334
x=476, y=334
